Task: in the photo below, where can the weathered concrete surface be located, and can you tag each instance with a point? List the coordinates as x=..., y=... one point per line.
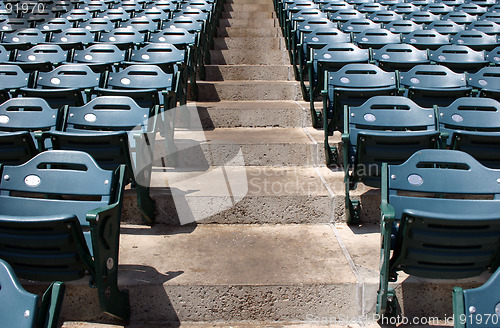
x=248, y=90
x=232, y=114
x=363, y=246
x=269, y=23
x=257, y=44
x=237, y=57
x=249, y=15
x=249, y=72
x=258, y=195
x=225, y=273
x=248, y=32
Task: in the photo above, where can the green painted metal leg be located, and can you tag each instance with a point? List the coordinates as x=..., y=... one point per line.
x=354, y=210
x=146, y=204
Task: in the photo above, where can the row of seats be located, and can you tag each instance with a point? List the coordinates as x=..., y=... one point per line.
x=415, y=130
x=85, y=104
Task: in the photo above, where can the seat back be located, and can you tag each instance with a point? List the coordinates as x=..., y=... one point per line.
x=426, y=39
x=41, y=55
x=77, y=15
x=387, y=129
x=56, y=25
x=404, y=8
x=402, y=26
x=459, y=58
x=12, y=77
x=28, y=114
x=358, y=25
x=422, y=17
x=399, y=56
x=20, y=308
x=447, y=208
x=4, y=55
x=337, y=55
x=430, y=85
x=29, y=36
x=123, y=37
x=142, y=24
x=475, y=39
x=345, y=15
x=73, y=36
x=99, y=56
x=471, y=304
x=376, y=38
x=140, y=77
x=179, y=37
x=162, y=54
x=97, y=24
x=445, y=27
x=487, y=81
x=460, y=17
x=473, y=126
x=487, y=27
x=493, y=56
x=115, y=15
x=384, y=16
x=69, y=76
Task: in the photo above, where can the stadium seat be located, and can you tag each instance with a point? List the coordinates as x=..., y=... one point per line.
x=493, y=56
x=487, y=27
x=21, y=119
x=64, y=231
x=22, y=309
x=69, y=84
x=384, y=16
x=331, y=57
x=385, y=129
x=376, y=38
x=472, y=125
x=114, y=130
x=459, y=17
x=73, y=38
x=437, y=8
x=170, y=59
x=477, y=307
x=148, y=85
x=115, y=15
x=486, y=82
x=345, y=15
x=4, y=55
x=476, y=40
x=42, y=57
x=403, y=26
x=438, y=219
x=358, y=25
x=124, y=38
x=400, y=57
x=422, y=17
x=458, y=58
x=430, y=85
x=100, y=57
x=445, y=27
x=426, y=39
x=23, y=39
x=351, y=85
x=55, y=25
x=12, y=78
x=404, y=8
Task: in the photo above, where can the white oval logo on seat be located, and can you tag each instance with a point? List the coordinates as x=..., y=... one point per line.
x=413, y=40
x=4, y=119
x=45, y=27
x=385, y=56
x=482, y=82
x=55, y=80
x=315, y=39
x=457, y=118
x=15, y=39
x=364, y=39
x=32, y=180
x=32, y=57
x=369, y=117
x=90, y=117
x=88, y=27
x=64, y=39
x=145, y=57
x=112, y=39
x=415, y=179
x=344, y=79
x=496, y=58
x=161, y=39
x=441, y=57
x=125, y=81
x=307, y=27
x=414, y=80
x=327, y=56
x=88, y=57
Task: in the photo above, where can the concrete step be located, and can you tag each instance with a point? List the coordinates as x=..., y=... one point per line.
x=236, y=194
x=308, y=275
x=245, y=57
x=260, y=44
x=264, y=2
x=249, y=72
x=225, y=273
x=231, y=114
x=249, y=15
x=249, y=7
x=248, y=32
x=248, y=90
x=268, y=23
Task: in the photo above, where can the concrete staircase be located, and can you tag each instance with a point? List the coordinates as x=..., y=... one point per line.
x=280, y=253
